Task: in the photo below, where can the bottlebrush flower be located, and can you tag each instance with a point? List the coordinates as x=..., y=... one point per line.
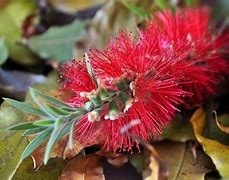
x=187, y=40
x=144, y=78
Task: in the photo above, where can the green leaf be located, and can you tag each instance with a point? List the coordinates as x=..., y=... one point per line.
x=23, y=126
x=55, y=136
x=71, y=133
x=89, y=69
x=135, y=9
x=41, y=105
x=44, y=122
x=58, y=122
x=12, y=16
x=36, y=142
x=178, y=130
x=57, y=42
x=217, y=151
x=189, y=3
x=50, y=99
x=11, y=142
x=25, y=107
x=56, y=111
x=33, y=131
x=161, y=4
x=3, y=52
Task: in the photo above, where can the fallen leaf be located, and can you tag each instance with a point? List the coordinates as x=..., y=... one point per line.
x=115, y=159
x=177, y=162
x=71, y=6
x=152, y=168
x=60, y=150
x=180, y=161
x=3, y=51
x=12, y=16
x=220, y=125
x=76, y=149
x=11, y=143
x=3, y=3
x=152, y=172
x=112, y=17
x=57, y=43
x=51, y=171
x=211, y=129
x=178, y=130
x=219, y=153
x=84, y=167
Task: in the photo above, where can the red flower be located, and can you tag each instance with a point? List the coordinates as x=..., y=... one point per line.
x=144, y=79
x=187, y=41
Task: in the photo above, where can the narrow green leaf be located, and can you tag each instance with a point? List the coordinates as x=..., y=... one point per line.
x=189, y=3
x=89, y=69
x=55, y=136
x=33, y=131
x=41, y=106
x=50, y=99
x=70, y=138
x=135, y=9
x=36, y=142
x=161, y=4
x=44, y=122
x=22, y=126
x=58, y=122
x=25, y=107
x=56, y=111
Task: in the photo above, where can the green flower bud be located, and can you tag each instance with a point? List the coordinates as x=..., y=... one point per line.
x=89, y=106
x=103, y=94
x=124, y=97
x=114, y=110
x=95, y=99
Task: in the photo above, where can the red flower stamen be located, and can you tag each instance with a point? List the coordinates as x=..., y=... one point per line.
x=175, y=58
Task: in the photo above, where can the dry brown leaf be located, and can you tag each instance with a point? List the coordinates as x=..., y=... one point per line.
x=61, y=149
x=84, y=167
x=115, y=159
x=155, y=169
x=69, y=153
x=38, y=154
x=180, y=160
x=3, y=3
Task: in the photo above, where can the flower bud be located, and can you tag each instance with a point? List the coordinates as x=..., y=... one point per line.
x=128, y=104
x=93, y=116
x=122, y=84
x=89, y=106
x=124, y=97
x=114, y=110
x=83, y=94
x=103, y=94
